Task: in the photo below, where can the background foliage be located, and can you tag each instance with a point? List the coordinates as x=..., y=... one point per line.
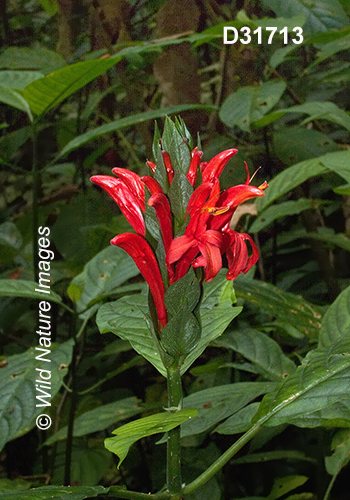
x=81, y=84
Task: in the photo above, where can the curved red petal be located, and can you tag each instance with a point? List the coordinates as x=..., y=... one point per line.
x=213, y=169
x=152, y=185
x=161, y=205
x=151, y=165
x=125, y=199
x=236, y=195
x=179, y=246
x=212, y=258
x=199, y=197
x=134, y=183
x=193, y=170
x=142, y=254
x=237, y=255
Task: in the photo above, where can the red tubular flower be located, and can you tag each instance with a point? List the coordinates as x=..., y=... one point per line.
x=151, y=165
x=128, y=203
x=142, y=254
x=168, y=166
x=161, y=205
x=133, y=182
x=152, y=185
x=237, y=253
x=193, y=169
x=213, y=169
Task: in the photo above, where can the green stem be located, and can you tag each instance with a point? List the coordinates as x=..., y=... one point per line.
x=135, y=495
x=174, y=481
x=221, y=461
x=35, y=200
x=330, y=486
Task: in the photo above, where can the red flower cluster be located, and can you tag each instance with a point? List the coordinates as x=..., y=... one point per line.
x=208, y=234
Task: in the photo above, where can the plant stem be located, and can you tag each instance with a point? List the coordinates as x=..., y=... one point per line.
x=221, y=461
x=174, y=481
x=135, y=495
x=35, y=200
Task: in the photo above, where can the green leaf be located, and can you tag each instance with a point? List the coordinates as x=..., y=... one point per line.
x=179, y=195
x=38, y=58
x=336, y=322
x=128, y=121
x=296, y=144
x=283, y=485
x=331, y=48
x=281, y=55
x=327, y=236
x=344, y=190
x=292, y=177
x=100, y=418
x=315, y=394
x=265, y=354
x=46, y=93
x=239, y=421
x=287, y=307
x=18, y=79
x=129, y=433
x=341, y=452
x=267, y=456
x=282, y=210
x=14, y=99
x=59, y=492
x=20, y=396
x=101, y=276
x=185, y=292
x=217, y=403
x=51, y=6
x=10, y=235
x=322, y=111
x=181, y=334
x=174, y=144
x=249, y=104
x=322, y=15
x=22, y=288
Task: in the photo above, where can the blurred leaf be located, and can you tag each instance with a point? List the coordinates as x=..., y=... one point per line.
x=265, y=354
x=287, y=307
x=333, y=239
x=100, y=418
x=18, y=79
x=9, y=235
x=51, y=6
x=59, y=492
x=322, y=111
x=283, y=210
x=292, y=177
x=12, y=98
x=331, y=48
x=281, y=55
x=38, y=58
x=336, y=322
x=22, y=288
x=249, y=104
x=129, y=433
x=322, y=15
x=128, y=121
x=344, y=190
x=266, y=456
x=217, y=403
x=18, y=409
x=296, y=144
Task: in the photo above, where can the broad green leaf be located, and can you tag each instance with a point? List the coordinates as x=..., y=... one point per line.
x=181, y=334
x=38, y=58
x=173, y=143
x=22, y=288
x=18, y=79
x=331, y=48
x=292, y=177
x=322, y=15
x=267, y=456
x=126, y=318
x=284, y=485
x=101, y=276
x=46, y=93
x=315, y=394
x=179, y=195
x=322, y=111
x=286, y=307
x=217, y=403
x=185, y=292
x=336, y=322
x=262, y=351
x=128, y=121
x=100, y=418
x=249, y=104
x=20, y=396
x=129, y=433
x=281, y=55
x=59, y=492
x=341, y=452
x=295, y=144
x=14, y=99
x=239, y=421
x=282, y=210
